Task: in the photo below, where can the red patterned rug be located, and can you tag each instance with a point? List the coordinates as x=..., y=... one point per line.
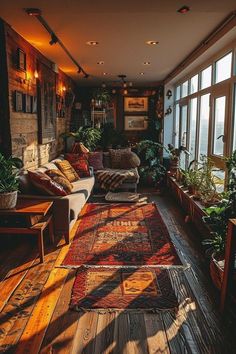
x=121, y=235
x=142, y=289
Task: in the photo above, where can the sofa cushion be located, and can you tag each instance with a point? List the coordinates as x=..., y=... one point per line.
x=132, y=175
x=129, y=160
x=84, y=185
x=116, y=156
x=106, y=159
x=95, y=160
x=67, y=170
x=58, y=177
x=81, y=166
x=45, y=185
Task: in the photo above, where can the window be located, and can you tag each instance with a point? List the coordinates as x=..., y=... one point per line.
x=234, y=122
x=176, y=128
x=219, y=122
x=223, y=68
x=206, y=77
x=184, y=89
x=203, y=125
x=194, y=84
x=192, y=127
x=177, y=93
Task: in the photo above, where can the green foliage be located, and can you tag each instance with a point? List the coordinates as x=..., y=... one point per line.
x=88, y=136
x=151, y=167
x=102, y=95
x=111, y=136
x=9, y=168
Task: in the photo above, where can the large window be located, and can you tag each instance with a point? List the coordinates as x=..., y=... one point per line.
x=219, y=122
x=204, y=125
x=192, y=127
x=223, y=68
x=206, y=77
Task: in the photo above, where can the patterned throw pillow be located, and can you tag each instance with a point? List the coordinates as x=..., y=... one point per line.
x=58, y=177
x=81, y=166
x=116, y=156
x=45, y=185
x=129, y=160
x=95, y=160
x=67, y=170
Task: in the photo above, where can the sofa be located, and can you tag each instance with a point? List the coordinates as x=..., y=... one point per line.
x=66, y=209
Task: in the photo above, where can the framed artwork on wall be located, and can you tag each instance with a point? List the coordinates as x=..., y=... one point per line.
x=18, y=101
x=21, y=59
x=27, y=103
x=136, y=122
x=136, y=104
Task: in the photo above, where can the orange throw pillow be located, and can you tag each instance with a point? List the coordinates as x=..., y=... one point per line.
x=58, y=177
x=45, y=185
x=67, y=170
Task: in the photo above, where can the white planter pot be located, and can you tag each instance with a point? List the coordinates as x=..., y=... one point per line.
x=8, y=200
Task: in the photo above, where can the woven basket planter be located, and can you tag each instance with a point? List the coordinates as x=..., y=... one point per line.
x=216, y=271
x=8, y=200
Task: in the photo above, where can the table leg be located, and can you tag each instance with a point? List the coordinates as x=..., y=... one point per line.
x=40, y=245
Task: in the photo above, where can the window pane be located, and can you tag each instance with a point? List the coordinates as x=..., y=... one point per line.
x=192, y=128
x=234, y=130
x=203, y=125
x=206, y=77
x=184, y=89
x=219, y=121
x=177, y=93
x=194, y=84
x=183, y=136
x=219, y=179
x=176, y=130
x=223, y=68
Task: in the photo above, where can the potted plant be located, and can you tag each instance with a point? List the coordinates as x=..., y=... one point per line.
x=90, y=137
x=9, y=168
x=192, y=179
x=209, y=195
x=217, y=222
x=151, y=170
x=100, y=98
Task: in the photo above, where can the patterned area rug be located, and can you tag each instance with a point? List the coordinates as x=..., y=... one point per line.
x=121, y=235
x=103, y=290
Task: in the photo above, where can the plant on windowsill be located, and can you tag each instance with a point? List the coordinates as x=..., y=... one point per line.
x=193, y=178
x=207, y=188
x=9, y=169
x=151, y=170
x=174, y=154
x=217, y=222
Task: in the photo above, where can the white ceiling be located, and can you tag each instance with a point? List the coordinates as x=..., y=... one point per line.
x=121, y=28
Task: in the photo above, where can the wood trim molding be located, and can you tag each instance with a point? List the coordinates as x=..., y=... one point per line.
x=225, y=26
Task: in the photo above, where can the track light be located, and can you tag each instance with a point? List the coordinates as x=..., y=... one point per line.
x=54, y=39
x=79, y=70
x=33, y=11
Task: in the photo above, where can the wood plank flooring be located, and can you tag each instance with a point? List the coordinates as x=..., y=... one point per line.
x=34, y=299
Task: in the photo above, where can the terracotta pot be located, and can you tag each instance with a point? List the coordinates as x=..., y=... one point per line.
x=8, y=200
x=216, y=270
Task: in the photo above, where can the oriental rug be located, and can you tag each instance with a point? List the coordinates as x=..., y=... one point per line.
x=121, y=235
x=122, y=289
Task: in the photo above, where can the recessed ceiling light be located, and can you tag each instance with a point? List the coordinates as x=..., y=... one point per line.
x=146, y=63
x=101, y=62
x=183, y=10
x=141, y=73
x=152, y=42
x=92, y=43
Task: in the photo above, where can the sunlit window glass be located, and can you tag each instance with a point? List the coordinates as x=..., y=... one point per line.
x=223, y=68
x=194, y=84
x=203, y=125
x=219, y=121
x=206, y=77
x=184, y=89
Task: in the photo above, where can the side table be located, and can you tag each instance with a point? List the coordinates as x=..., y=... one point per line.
x=28, y=217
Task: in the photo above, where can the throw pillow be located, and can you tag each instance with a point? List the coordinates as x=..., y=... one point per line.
x=95, y=160
x=58, y=177
x=45, y=185
x=67, y=170
x=116, y=156
x=129, y=160
x=72, y=157
x=79, y=148
x=81, y=166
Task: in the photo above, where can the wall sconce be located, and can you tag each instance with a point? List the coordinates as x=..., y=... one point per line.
x=169, y=94
x=63, y=89
x=36, y=74
x=168, y=111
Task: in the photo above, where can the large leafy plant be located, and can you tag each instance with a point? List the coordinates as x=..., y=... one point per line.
x=151, y=167
x=90, y=137
x=9, y=168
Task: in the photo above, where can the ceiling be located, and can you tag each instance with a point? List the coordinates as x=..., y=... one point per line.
x=122, y=29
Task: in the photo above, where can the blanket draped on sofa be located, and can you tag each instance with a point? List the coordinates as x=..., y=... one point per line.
x=111, y=179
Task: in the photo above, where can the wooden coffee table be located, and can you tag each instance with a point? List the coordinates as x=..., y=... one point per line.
x=28, y=217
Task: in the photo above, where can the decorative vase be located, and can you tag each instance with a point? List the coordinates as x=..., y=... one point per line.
x=8, y=200
x=217, y=270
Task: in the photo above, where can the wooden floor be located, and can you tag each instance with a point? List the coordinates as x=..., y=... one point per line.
x=34, y=302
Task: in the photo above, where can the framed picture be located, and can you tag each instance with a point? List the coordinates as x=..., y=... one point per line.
x=136, y=122
x=18, y=101
x=33, y=104
x=27, y=103
x=136, y=104
x=21, y=59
